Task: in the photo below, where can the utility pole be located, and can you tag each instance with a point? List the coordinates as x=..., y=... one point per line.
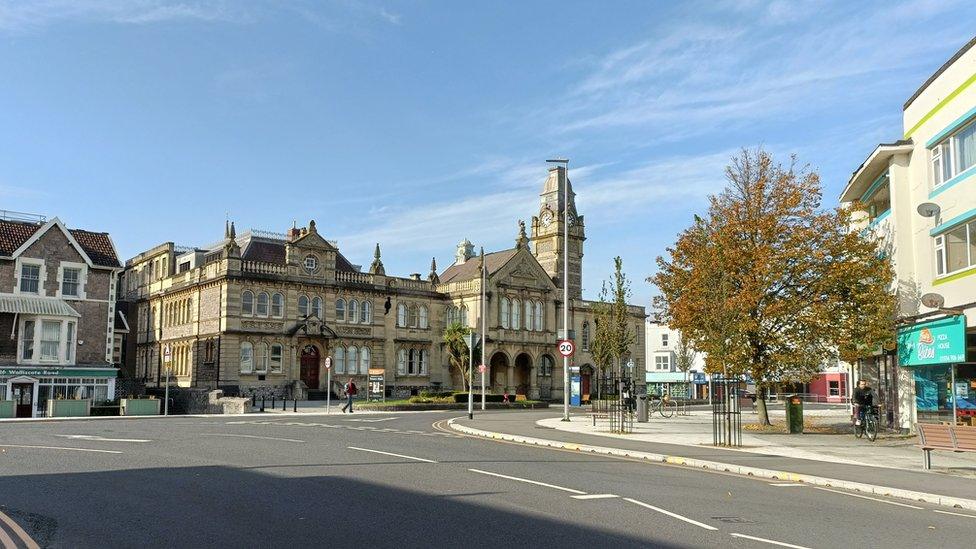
x=565, y=278
x=484, y=320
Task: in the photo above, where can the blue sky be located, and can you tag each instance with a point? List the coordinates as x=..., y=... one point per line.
x=415, y=124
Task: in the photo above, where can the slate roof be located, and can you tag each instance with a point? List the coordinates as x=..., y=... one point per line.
x=470, y=268
x=273, y=251
x=98, y=246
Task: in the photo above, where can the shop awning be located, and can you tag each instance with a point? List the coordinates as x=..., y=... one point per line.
x=35, y=305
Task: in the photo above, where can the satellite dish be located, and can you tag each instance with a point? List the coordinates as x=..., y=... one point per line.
x=933, y=301
x=928, y=209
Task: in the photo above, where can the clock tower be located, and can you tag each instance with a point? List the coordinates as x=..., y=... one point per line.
x=549, y=230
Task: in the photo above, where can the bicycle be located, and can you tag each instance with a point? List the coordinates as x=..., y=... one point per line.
x=869, y=426
x=664, y=406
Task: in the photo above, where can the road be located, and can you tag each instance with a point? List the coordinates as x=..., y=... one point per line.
x=383, y=480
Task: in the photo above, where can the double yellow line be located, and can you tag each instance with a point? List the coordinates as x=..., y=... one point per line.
x=7, y=541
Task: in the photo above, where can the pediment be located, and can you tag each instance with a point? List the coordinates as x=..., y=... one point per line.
x=523, y=270
x=312, y=241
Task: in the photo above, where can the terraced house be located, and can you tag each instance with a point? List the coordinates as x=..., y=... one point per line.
x=920, y=198
x=261, y=311
x=57, y=314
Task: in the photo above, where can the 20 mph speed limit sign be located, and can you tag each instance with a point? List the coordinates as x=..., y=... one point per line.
x=566, y=347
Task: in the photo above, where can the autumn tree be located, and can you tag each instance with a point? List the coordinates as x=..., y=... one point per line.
x=771, y=284
x=613, y=335
x=457, y=350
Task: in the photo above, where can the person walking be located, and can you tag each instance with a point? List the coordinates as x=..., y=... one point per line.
x=350, y=390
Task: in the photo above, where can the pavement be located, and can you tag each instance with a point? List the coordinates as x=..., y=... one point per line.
x=695, y=430
x=955, y=491
x=406, y=480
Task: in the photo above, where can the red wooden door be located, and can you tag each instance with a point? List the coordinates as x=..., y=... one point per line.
x=310, y=367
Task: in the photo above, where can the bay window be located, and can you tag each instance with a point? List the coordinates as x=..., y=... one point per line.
x=50, y=339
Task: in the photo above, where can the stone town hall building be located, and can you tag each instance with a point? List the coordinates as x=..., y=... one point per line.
x=264, y=310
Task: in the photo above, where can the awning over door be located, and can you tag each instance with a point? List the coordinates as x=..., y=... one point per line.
x=35, y=305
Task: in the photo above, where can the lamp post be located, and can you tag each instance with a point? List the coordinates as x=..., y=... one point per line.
x=471, y=339
x=565, y=277
x=484, y=320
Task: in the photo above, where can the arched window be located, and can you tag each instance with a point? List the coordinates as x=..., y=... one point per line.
x=247, y=303
x=423, y=316
x=449, y=315
x=423, y=362
x=402, y=362
x=261, y=364
x=278, y=305
x=463, y=316
x=412, y=316
x=247, y=358
x=262, y=308
x=340, y=360
x=303, y=305
x=506, y=312
x=317, y=307
x=516, y=315
x=352, y=360
x=276, y=354
x=539, y=317
x=364, y=360
x=189, y=309
x=529, y=315
x=585, y=336
x=366, y=312
x=340, y=310
x=401, y=315
x=353, y=310
x=545, y=369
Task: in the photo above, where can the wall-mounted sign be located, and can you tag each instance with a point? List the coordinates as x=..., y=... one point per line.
x=941, y=341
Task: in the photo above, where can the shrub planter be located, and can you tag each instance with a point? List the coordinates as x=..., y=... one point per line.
x=139, y=407
x=69, y=408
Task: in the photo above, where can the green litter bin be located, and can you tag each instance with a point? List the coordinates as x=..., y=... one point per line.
x=794, y=415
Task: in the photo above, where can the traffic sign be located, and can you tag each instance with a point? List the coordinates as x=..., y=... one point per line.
x=328, y=362
x=167, y=353
x=566, y=347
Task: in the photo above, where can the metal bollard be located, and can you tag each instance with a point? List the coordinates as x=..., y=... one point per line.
x=295, y=409
x=254, y=400
x=262, y=404
x=284, y=404
x=272, y=402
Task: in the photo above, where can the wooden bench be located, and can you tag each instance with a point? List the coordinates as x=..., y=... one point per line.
x=940, y=436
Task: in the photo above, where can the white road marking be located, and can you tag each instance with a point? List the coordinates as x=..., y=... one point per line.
x=373, y=420
x=6, y=541
x=60, y=448
x=16, y=530
x=770, y=541
x=391, y=454
x=536, y=482
x=956, y=514
x=250, y=436
x=103, y=439
x=670, y=514
x=867, y=497
x=596, y=496
x=786, y=484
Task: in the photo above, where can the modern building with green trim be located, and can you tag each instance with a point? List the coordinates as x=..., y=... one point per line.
x=920, y=196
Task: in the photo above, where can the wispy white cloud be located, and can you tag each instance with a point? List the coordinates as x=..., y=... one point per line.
x=22, y=15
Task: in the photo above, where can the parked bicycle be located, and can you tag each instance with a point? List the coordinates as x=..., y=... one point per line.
x=665, y=406
x=869, y=425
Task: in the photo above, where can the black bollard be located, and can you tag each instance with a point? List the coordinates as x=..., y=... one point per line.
x=284, y=404
x=295, y=409
x=272, y=402
x=262, y=404
x=254, y=400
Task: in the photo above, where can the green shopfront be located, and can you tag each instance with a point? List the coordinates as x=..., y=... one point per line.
x=942, y=359
x=30, y=387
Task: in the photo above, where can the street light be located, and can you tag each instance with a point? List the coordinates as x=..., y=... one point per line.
x=565, y=280
x=471, y=339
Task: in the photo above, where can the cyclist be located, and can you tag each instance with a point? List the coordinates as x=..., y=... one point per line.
x=863, y=398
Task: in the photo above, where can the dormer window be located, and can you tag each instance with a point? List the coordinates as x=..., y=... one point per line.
x=311, y=263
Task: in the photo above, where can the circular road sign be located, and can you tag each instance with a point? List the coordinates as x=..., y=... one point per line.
x=566, y=347
x=328, y=362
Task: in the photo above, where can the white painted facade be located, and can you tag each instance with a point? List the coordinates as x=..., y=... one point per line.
x=932, y=162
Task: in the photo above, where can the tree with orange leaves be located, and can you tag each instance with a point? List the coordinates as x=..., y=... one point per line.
x=771, y=284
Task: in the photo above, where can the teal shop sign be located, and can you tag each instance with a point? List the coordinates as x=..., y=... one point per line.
x=940, y=341
x=41, y=371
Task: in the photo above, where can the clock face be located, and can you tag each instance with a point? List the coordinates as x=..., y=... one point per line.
x=546, y=218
